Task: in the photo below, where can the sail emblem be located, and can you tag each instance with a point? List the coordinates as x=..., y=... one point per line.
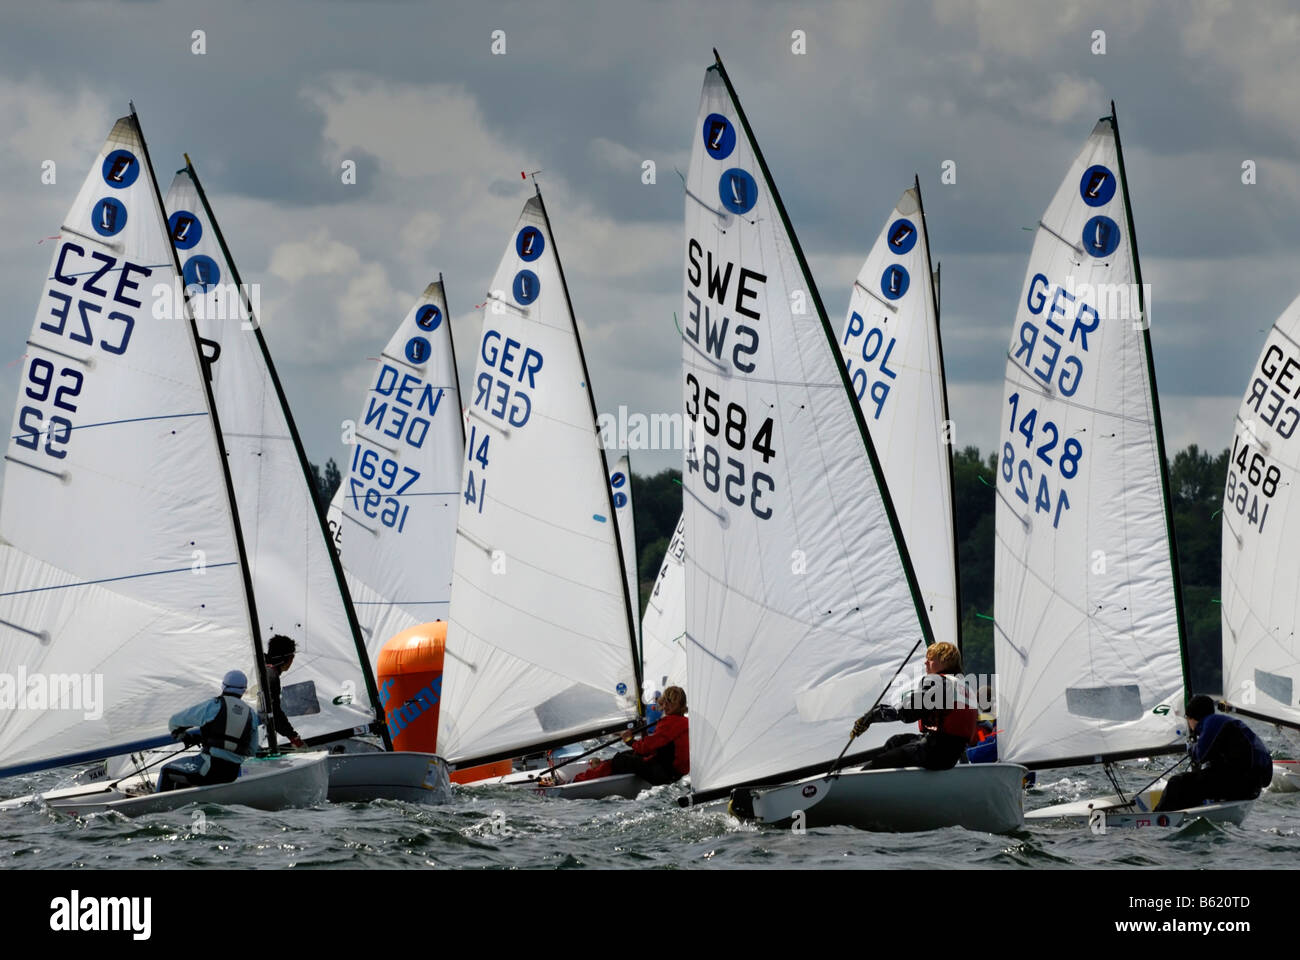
x=617, y=480
x=902, y=236
x=418, y=350
x=108, y=218
x=738, y=191
x=526, y=287
x=719, y=136
x=185, y=229
x=120, y=169
x=529, y=244
x=894, y=281
x=1100, y=236
x=201, y=271
x=428, y=317
x=1097, y=186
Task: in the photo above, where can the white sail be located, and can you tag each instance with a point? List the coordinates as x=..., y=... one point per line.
x=663, y=628
x=394, y=515
x=1261, y=605
x=890, y=344
x=540, y=626
x=620, y=492
x=119, y=568
x=1087, y=627
x=798, y=604
x=294, y=583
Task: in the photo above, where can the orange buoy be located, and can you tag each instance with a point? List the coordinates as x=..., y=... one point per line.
x=410, y=685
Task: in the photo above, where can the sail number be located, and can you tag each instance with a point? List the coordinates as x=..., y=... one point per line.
x=1048, y=457
x=731, y=427
x=476, y=452
x=1250, y=475
x=876, y=351
x=375, y=483
x=52, y=434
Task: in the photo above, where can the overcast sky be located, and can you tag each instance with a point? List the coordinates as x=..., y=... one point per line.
x=440, y=128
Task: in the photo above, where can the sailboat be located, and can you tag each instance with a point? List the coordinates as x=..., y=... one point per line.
x=802, y=606
x=541, y=613
x=122, y=563
x=892, y=350
x=1261, y=652
x=663, y=627
x=1089, y=637
x=298, y=583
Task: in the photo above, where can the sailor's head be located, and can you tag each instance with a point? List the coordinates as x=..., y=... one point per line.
x=1198, y=708
x=234, y=683
x=280, y=651
x=673, y=701
x=942, y=657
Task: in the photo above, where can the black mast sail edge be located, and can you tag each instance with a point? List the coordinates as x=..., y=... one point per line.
x=380, y=724
x=249, y=597
x=905, y=558
x=943, y=394
x=604, y=462
x=1155, y=413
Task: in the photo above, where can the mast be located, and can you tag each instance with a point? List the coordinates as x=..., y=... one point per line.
x=205, y=377
x=451, y=344
x=943, y=393
x=604, y=462
x=1155, y=412
x=380, y=725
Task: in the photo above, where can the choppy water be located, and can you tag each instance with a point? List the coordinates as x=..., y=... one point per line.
x=495, y=827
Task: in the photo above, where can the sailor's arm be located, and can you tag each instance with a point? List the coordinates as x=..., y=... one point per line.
x=195, y=716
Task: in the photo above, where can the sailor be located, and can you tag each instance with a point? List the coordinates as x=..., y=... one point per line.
x=662, y=757
x=227, y=729
x=945, y=712
x=279, y=658
x=1228, y=761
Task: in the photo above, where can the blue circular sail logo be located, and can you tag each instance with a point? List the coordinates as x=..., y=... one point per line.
x=428, y=317
x=621, y=689
x=418, y=350
x=617, y=480
x=120, y=169
x=108, y=217
x=529, y=244
x=620, y=499
x=902, y=236
x=185, y=229
x=719, y=136
x=201, y=271
x=738, y=191
x=894, y=281
x=1097, y=186
x=526, y=287
x=1100, y=236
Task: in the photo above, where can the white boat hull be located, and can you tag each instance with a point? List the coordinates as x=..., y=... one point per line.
x=272, y=783
x=399, y=775
x=626, y=785
x=1286, y=776
x=1111, y=813
x=985, y=797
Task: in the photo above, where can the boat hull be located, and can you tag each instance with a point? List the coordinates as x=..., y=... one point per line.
x=985, y=797
x=400, y=775
x=1286, y=776
x=272, y=783
x=1103, y=814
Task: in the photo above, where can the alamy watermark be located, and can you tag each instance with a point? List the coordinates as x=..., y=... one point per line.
x=53, y=691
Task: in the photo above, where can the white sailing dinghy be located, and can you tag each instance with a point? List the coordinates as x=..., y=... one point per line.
x=663, y=627
x=541, y=619
x=801, y=602
x=297, y=580
x=1089, y=636
x=1261, y=607
x=894, y=355
x=122, y=567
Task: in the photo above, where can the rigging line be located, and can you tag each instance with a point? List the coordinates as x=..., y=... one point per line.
x=87, y=273
x=111, y=244
x=1073, y=246
x=1060, y=398
x=129, y=576
x=113, y=423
